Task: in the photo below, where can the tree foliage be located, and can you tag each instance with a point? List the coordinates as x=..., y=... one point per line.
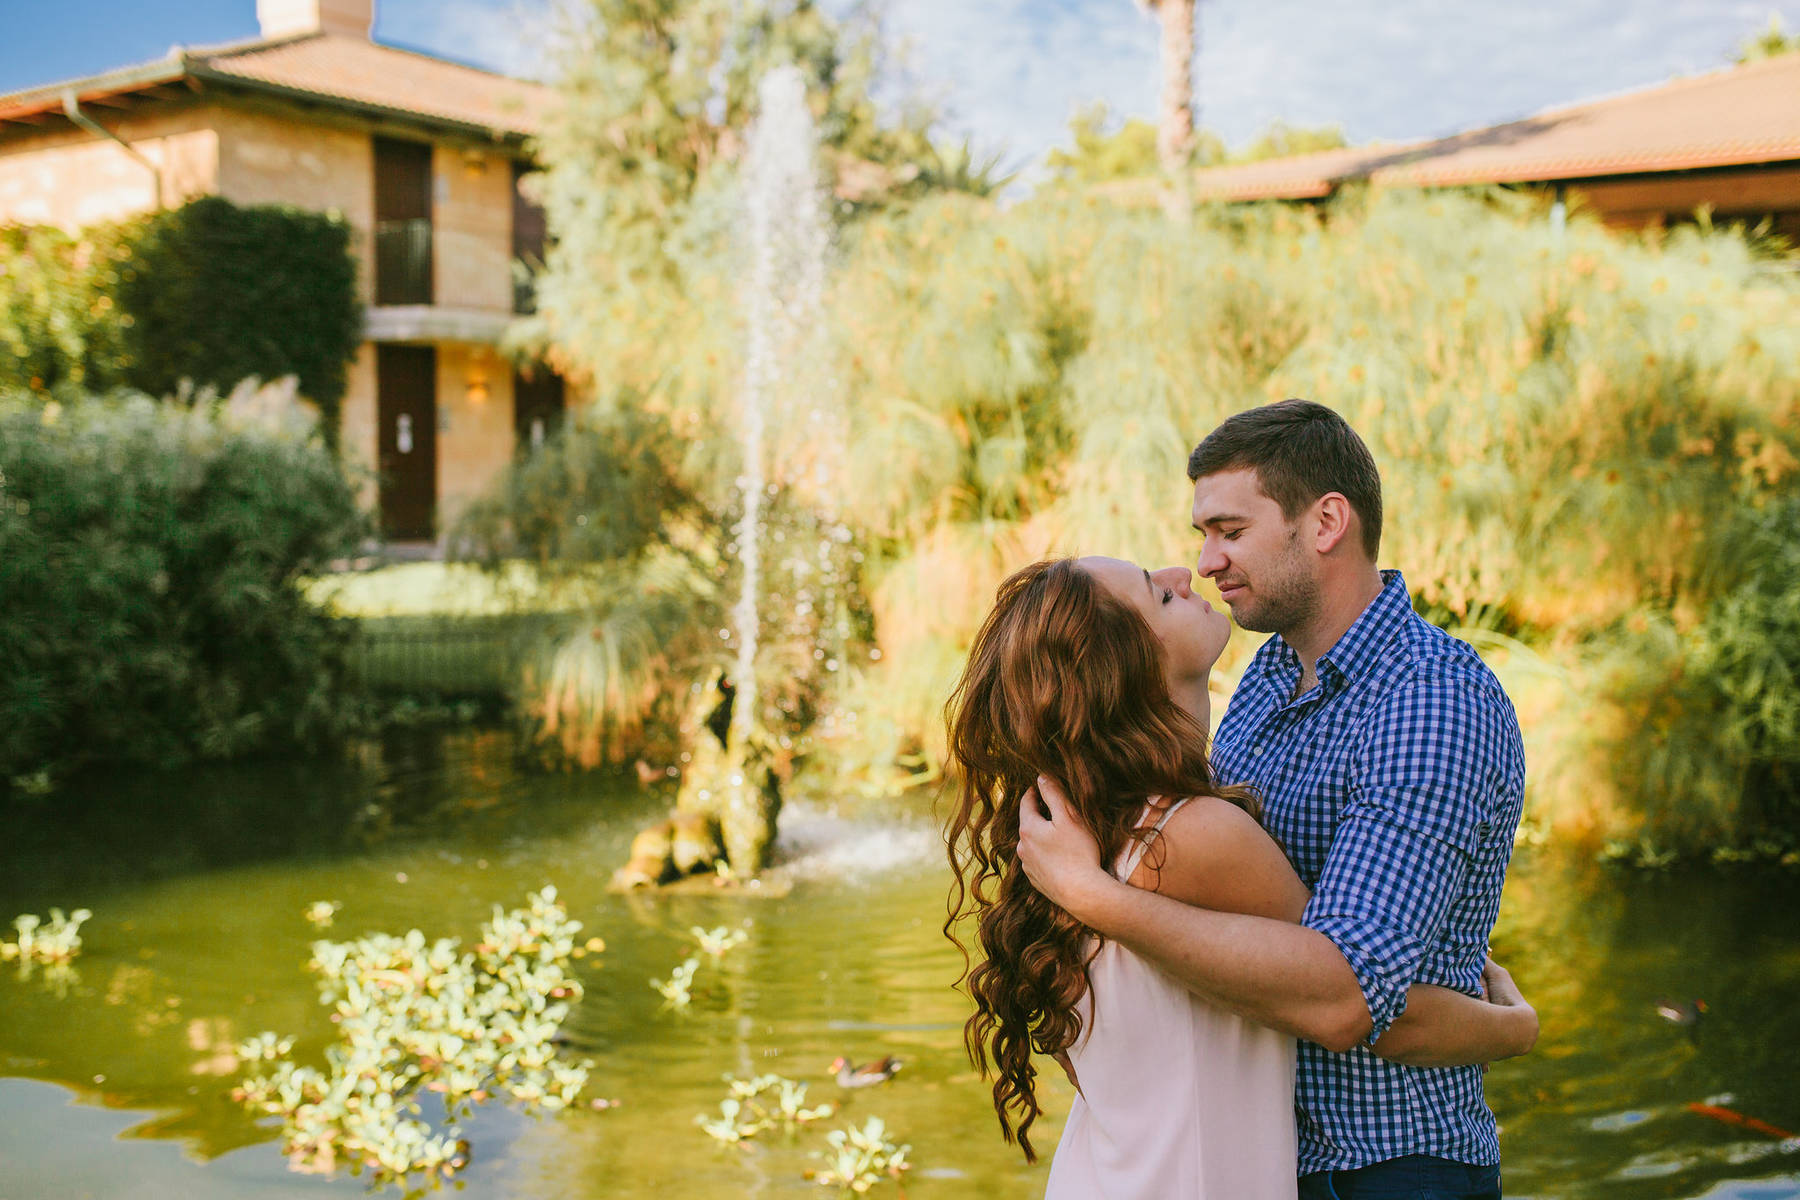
x=1103, y=148
x=1772, y=41
x=150, y=567
x=211, y=293
x=199, y=297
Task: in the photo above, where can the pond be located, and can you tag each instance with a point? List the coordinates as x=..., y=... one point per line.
x=117, y=1083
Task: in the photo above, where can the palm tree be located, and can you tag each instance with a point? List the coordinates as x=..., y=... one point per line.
x=1175, y=118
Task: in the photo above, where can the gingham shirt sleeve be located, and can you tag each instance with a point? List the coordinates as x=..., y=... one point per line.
x=1422, y=787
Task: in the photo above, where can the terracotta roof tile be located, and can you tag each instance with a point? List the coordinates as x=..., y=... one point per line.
x=1742, y=115
x=331, y=68
x=335, y=67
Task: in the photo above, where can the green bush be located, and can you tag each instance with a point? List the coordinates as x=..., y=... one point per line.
x=214, y=293
x=59, y=324
x=613, y=542
x=1748, y=651
x=151, y=561
x=201, y=296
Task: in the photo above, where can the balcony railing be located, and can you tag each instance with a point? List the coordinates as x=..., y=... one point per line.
x=524, y=281
x=403, y=261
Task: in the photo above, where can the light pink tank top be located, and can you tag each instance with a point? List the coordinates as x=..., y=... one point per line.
x=1179, y=1100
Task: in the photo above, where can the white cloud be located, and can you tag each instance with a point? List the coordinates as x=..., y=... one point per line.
x=501, y=35
x=1010, y=73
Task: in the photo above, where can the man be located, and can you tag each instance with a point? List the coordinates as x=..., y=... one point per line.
x=1391, y=769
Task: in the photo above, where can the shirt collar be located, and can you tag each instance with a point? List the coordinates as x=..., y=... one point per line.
x=1355, y=652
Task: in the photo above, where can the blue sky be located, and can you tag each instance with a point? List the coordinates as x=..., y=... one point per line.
x=1010, y=73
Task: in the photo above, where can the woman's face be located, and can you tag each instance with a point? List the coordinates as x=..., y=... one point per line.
x=1193, y=634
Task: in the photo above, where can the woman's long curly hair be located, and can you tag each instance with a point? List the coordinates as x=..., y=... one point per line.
x=1063, y=680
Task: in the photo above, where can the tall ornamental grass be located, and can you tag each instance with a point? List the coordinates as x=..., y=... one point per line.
x=1585, y=441
x=1575, y=429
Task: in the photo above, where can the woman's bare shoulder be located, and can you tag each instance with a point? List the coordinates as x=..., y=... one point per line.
x=1213, y=854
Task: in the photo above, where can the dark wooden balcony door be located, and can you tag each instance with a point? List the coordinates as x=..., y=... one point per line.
x=537, y=406
x=530, y=236
x=406, y=398
x=402, y=222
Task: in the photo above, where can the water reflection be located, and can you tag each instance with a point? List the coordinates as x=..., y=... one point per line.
x=200, y=885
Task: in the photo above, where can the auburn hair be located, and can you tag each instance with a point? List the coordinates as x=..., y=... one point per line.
x=1065, y=680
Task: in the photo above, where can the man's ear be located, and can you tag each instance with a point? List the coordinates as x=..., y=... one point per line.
x=1334, y=518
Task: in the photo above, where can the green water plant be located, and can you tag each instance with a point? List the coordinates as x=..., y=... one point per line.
x=861, y=1158
x=760, y=1103
x=417, y=1016
x=677, y=989
x=718, y=942
x=51, y=943
x=320, y=913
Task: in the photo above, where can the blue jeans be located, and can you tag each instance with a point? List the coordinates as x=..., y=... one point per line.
x=1415, y=1177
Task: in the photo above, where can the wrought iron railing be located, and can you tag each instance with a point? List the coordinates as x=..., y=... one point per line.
x=475, y=655
x=403, y=261
x=524, y=280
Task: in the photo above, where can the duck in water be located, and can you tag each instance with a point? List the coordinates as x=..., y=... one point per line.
x=868, y=1075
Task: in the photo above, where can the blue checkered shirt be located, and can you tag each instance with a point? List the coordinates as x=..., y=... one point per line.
x=1394, y=785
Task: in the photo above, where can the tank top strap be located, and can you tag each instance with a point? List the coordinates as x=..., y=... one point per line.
x=1135, y=850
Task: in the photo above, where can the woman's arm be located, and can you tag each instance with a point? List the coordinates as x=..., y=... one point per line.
x=1444, y=1028
x=1214, y=855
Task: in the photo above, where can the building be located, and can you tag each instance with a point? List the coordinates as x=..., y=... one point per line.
x=421, y=156
x=1728, y=141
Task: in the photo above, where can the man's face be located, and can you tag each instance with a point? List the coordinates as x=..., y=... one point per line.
x=1258, y=559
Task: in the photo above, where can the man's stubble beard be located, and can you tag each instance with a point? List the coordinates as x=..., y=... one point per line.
x=1287, y=599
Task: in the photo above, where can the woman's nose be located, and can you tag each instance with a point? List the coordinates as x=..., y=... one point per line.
x=1175, y=577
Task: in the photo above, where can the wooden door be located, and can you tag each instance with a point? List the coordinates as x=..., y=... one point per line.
x=537, y=406
x=530, y=234
x=406, y=398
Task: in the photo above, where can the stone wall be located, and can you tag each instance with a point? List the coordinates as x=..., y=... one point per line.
x=471, y=218
x=69, y=178
x=475, y=424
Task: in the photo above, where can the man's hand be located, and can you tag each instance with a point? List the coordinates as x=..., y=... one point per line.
x=1059, y=855
x=1498, y=987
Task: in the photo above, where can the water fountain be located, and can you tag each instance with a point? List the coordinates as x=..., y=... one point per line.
x=791, y=441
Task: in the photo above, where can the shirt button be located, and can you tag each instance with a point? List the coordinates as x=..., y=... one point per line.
x=1256, y=752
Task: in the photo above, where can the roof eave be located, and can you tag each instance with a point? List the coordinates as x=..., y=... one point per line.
x=172, y=69
x=1592, y=169
x=211, y=75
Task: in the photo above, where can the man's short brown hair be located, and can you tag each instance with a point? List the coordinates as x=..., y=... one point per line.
x=1300, y=451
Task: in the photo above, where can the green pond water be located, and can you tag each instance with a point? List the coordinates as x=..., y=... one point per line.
x=116, y=1084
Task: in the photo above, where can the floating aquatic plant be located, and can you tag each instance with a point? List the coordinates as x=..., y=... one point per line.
x=860, y=1158
x=757, y=1104
x=320, y=913
x=418, y=1016
x=677, y=989
x=52, y=943
x=718, y=942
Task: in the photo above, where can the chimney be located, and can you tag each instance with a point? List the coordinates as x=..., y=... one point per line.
x=282, y=18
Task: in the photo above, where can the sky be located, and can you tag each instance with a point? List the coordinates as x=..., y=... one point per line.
x=1008, y=74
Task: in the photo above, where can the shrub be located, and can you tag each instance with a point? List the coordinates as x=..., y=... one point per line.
x=613, y=541
x=150, y=568
x=213, y=293
x=202, y=296
x=59, y=324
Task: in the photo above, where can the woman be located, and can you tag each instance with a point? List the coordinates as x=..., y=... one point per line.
x=1093, y=673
